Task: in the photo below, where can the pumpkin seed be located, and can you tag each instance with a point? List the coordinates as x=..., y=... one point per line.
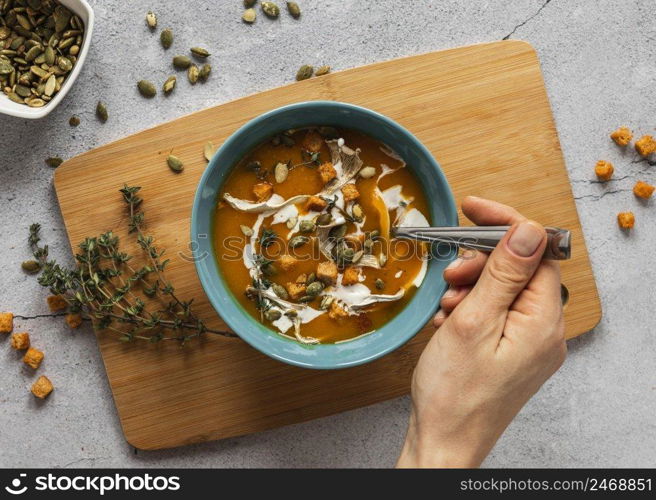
x=54, y=161
x=101, y=111
x=31, y=266
x=314, y=288
x=166, y=38
x=74, y=50
x=64, y=63
x=324, y=219
x=249, y=16
x=169, y=84
x=338, y=232
x=304, y=72
x=73, y=121
x=270, y=9
x=272, y=314
x=280, y=291
x=249, y=3
x=200, y=52
x=382, y=260
x=51, y=85
x=292, y=313
x=181, y=62
x=204, y=73
x=367, y=246
x=22, y=91
x=374, y=235
x=358, y=213
x=322, y=70
x=175, y=163
x=5, y=67
x=379, y=283
x=311, y=278
x=325, y=302
x=248, y=232
x=298, y=241
x=291, y=222
x=307, y=298
x=147, y=89
x=294, y=9
x=192, y=74
x=151, y=20
x=357, y=256
x=367, y=172
x=281, y=172
x=208, y=151
x=31, y=54
x=35, y=103
x=50, y=55
x=306, y=226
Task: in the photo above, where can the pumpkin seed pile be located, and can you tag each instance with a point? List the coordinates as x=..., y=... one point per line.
x=39, y=44
x=270, y=9
x=306, y=71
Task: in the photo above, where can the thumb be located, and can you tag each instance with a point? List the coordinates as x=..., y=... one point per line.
x=509, y=268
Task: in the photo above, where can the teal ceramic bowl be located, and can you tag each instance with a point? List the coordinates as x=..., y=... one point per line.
x=361, y=350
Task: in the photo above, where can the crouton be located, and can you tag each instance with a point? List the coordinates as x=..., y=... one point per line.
x=622, y=136
x=626, y=220
x=296, y=290
x=327, y=272
x=56, y=303
x=6, y=322
x=350, y=192
x=262, y=191
x=33, y=357
x=287, y=262
x=20, y=341
x=646, y=145
x=315, y=204
x=351, y=276
x=74, y=320
x=336, y=311
x=312, y=142
x=42, y=387
x=643, y=190
x=604, y=170
x=327, y=172
x=302, y=278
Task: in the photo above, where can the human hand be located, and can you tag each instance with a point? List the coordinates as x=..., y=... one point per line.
x=500, y=336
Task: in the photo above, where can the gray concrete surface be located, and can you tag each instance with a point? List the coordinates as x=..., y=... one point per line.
x=599, y=63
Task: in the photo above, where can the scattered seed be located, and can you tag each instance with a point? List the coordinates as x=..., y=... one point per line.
x=326, y=301
x=151, y=20
x=357, y=256
x=311, y=278
x=280, y=291
x=204, y=73
x=304, y=72
x=338, y=232
x=101, y=111
x=175, y=163
x=208, y=151
x=322, y=70
x=324, y=219
x=147, y=89
x=382, y=260
x=249, y=16
x=54, y=161
x=380, y=284
x=314, y=288
x=166, y=38
x=169, y=84
x=181, y=62
x=200, y=52
x=291, y=222
x=294, y=9
x=307, y=298
x=358, y=213
x=248, y=232
x=74, y=121
x=192, y=74
x=270, y=9
x=272, y=314
x=281, y=172
x=298, y=241
x=306, y=226
x=367, y=172
x=31, y=266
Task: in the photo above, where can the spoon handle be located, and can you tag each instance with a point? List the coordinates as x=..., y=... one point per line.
x=485, y=238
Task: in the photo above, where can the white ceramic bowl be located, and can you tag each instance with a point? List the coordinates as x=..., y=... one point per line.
x=7, y=107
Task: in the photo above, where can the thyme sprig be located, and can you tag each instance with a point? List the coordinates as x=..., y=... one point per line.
x=106, y=286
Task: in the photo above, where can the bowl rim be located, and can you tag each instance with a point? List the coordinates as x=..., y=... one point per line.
x=251, y=336
x=36, y=113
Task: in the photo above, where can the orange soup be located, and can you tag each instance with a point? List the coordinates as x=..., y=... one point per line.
x=302, y=234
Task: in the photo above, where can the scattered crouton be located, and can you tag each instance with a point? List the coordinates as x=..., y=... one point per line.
x=327, y=272
x=351, y=276
x=646, y=145
x=604, y=170
x=626, y=220
x=296, y=290
x=622, y=136
x=302, y=278
x=336, y=311
x=20, y=341
x=327, y=172
x=33, y=357
x=74, y=320
x=312, y=141
x=262, y=191
x=42, y=387
x=56, y=303
x=6, y=322
x=315, y=204
x=643, y=190
x=287, y=262
x=350, y=192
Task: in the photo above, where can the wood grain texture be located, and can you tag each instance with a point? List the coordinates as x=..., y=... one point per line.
x=481, y=110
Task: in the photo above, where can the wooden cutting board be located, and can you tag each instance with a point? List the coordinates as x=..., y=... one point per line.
x=481, y=110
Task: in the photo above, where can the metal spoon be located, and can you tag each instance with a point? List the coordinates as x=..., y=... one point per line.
x=485, y=238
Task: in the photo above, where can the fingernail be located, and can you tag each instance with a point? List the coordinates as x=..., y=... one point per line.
x=525, y=240
x=468, y=254
x=451, y=292
x=454, y=264
x=440, y=314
